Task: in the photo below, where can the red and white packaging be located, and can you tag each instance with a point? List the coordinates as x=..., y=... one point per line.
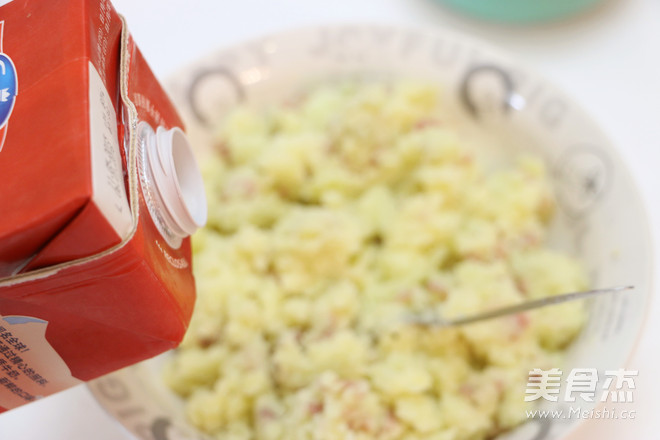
x=98, y=193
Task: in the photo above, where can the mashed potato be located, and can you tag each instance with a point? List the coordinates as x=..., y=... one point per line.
x=331, y=219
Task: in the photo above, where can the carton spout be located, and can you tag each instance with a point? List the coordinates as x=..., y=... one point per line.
x=171, y=182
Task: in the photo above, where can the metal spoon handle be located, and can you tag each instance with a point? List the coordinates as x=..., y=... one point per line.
x=527, y=305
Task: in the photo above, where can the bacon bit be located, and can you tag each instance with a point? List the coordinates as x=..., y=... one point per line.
x=521, y=286
x=546, y=207
x=530, y=239
x=293, y=102
x=439, y=290
x=315, y=408
x=467, y=390
x=391, y=414
x=500, y=251
x=224, y=151
x=405, y=296
x=266, y=414
x=535, y=375
x=245, y=188
x=426, y=123
x=473, y=256
x=496, y=431
x=390, y=425
x=374, y=161
x=282, y=192
x=522, y=320
x=358, y=424
x=207, y=341
x=465, y=159
x=271, y=271
x=331, y=146
x=249, y=188
x=330, y=329
x=347, y=385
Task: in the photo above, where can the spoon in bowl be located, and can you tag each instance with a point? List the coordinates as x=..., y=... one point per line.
x=432, y=319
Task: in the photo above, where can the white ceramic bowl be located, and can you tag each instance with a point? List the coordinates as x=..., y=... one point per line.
x=600, y=218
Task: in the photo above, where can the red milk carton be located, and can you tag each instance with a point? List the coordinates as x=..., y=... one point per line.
x=99, y=191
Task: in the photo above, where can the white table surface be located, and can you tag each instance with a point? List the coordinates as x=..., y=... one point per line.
x=610, y=55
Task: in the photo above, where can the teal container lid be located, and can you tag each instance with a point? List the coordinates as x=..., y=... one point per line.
x=521, y=10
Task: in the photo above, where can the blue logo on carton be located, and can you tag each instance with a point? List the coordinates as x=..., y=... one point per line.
x=8, y=88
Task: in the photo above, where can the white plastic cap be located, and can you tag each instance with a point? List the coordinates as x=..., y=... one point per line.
x=177, y=187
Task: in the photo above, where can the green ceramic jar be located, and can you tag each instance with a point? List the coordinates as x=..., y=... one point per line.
x=521, y=10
